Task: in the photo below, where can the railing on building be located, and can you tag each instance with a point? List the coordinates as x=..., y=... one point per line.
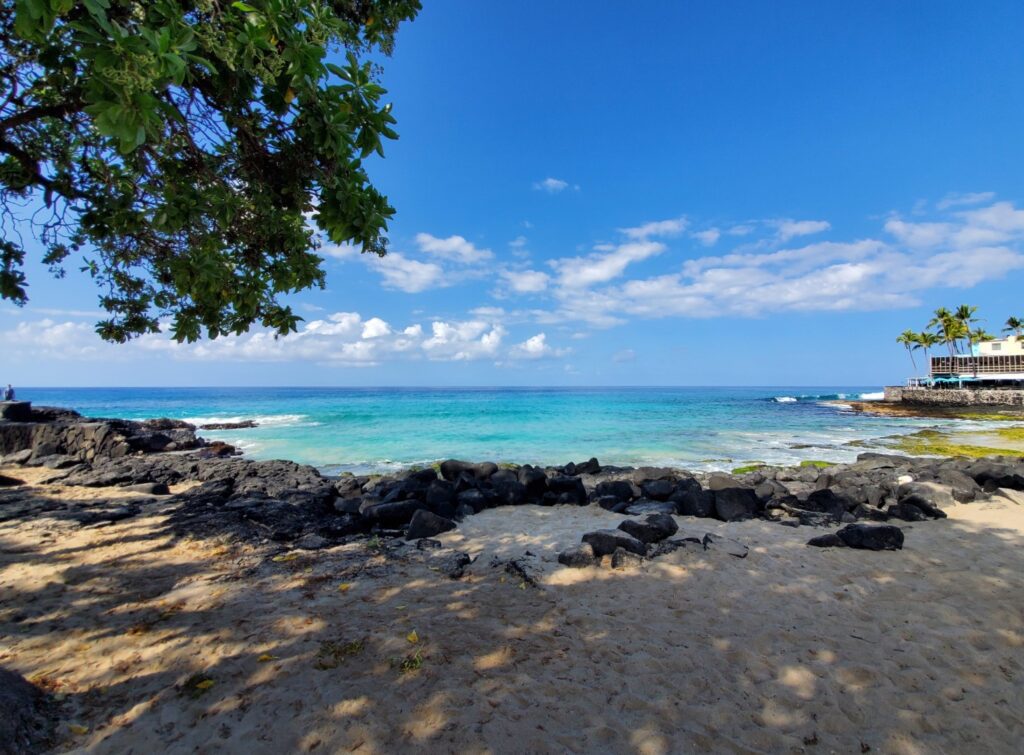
x=971, y=366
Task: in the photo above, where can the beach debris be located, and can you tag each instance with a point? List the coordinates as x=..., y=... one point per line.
x=411, y=662
x=412, y=637
x=345, y=586
x=427, y=524
x=332, y=653
x=284, y=557
x=196, y=685
x=578, y=557
x=78, y=729
x=604, y=542
x=266, y=658
x=874, y=537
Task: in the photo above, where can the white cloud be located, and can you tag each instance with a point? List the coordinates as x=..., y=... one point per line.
x=519, y=242
x=759, y=278
x=965, y=200
x=342, y=339
x=375, y=328
x=453, y=248
x=526, y=281
x=743, y=229
x=1001, y=216
x=552, y=186
x=788, y=229
x=626, y=355
x=411, y=276
x=919, y=235
x=657, y=228
x=535, y=347
x=709, y=237
x=580, y=272
x=339, y=251
x=463, y=341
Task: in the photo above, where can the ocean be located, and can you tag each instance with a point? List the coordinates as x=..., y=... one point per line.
x=364, y=430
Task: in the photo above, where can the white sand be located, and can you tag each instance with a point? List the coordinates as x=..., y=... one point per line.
x=791, y=649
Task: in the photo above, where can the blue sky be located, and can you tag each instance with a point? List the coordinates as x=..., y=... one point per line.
x=666, y=193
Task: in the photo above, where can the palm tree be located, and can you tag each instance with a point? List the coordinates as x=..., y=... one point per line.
x=947, y=327
x=909, y=340
x=980, y=335
x=925, y=341
x=965, y=316
x=1014, y=325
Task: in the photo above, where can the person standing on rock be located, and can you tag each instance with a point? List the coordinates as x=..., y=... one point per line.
x=8, y=393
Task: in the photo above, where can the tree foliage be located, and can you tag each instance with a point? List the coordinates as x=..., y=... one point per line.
x=191, y=151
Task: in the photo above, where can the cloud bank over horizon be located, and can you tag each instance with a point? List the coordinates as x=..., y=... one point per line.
x=672, y=268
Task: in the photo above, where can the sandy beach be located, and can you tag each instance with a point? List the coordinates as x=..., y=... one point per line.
x=154, y=643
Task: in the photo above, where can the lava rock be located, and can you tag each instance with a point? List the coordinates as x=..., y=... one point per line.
x=735, y=504
x=535, y=481
x=569, y=486
x=451, y=469
x=393, y=513
x=348, y=505
x=725, y=544
x=874, y=537
x=926, y=504
x=827, y=501
x=619, y=489
x=439, y=493
x=624, y=559
x=831, y=540
x=149, y=488
x=427, y=524
x=644, y=506
x=454, y=566
x=473, y=498
x=908, y=512
x=604, y=542
x=578, y=557
x=697, y=502
x=653, y=529
x=720, y=481
x=658, y=490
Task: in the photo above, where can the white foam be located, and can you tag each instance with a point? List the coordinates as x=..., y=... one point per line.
x=875, y=396
x=277, y=420
x=785, y=399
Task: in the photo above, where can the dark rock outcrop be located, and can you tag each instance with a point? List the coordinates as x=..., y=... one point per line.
x=578, y=557
x=604, y=542
x=874, y=537
x=427, y=524
x=735, y=504
x=653, y=529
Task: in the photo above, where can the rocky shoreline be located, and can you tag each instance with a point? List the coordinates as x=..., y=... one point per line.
x=294, y=504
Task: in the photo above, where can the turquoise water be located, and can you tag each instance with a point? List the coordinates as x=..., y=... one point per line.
x=380, y=429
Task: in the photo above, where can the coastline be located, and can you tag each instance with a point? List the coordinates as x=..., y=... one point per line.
x=159, y=619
